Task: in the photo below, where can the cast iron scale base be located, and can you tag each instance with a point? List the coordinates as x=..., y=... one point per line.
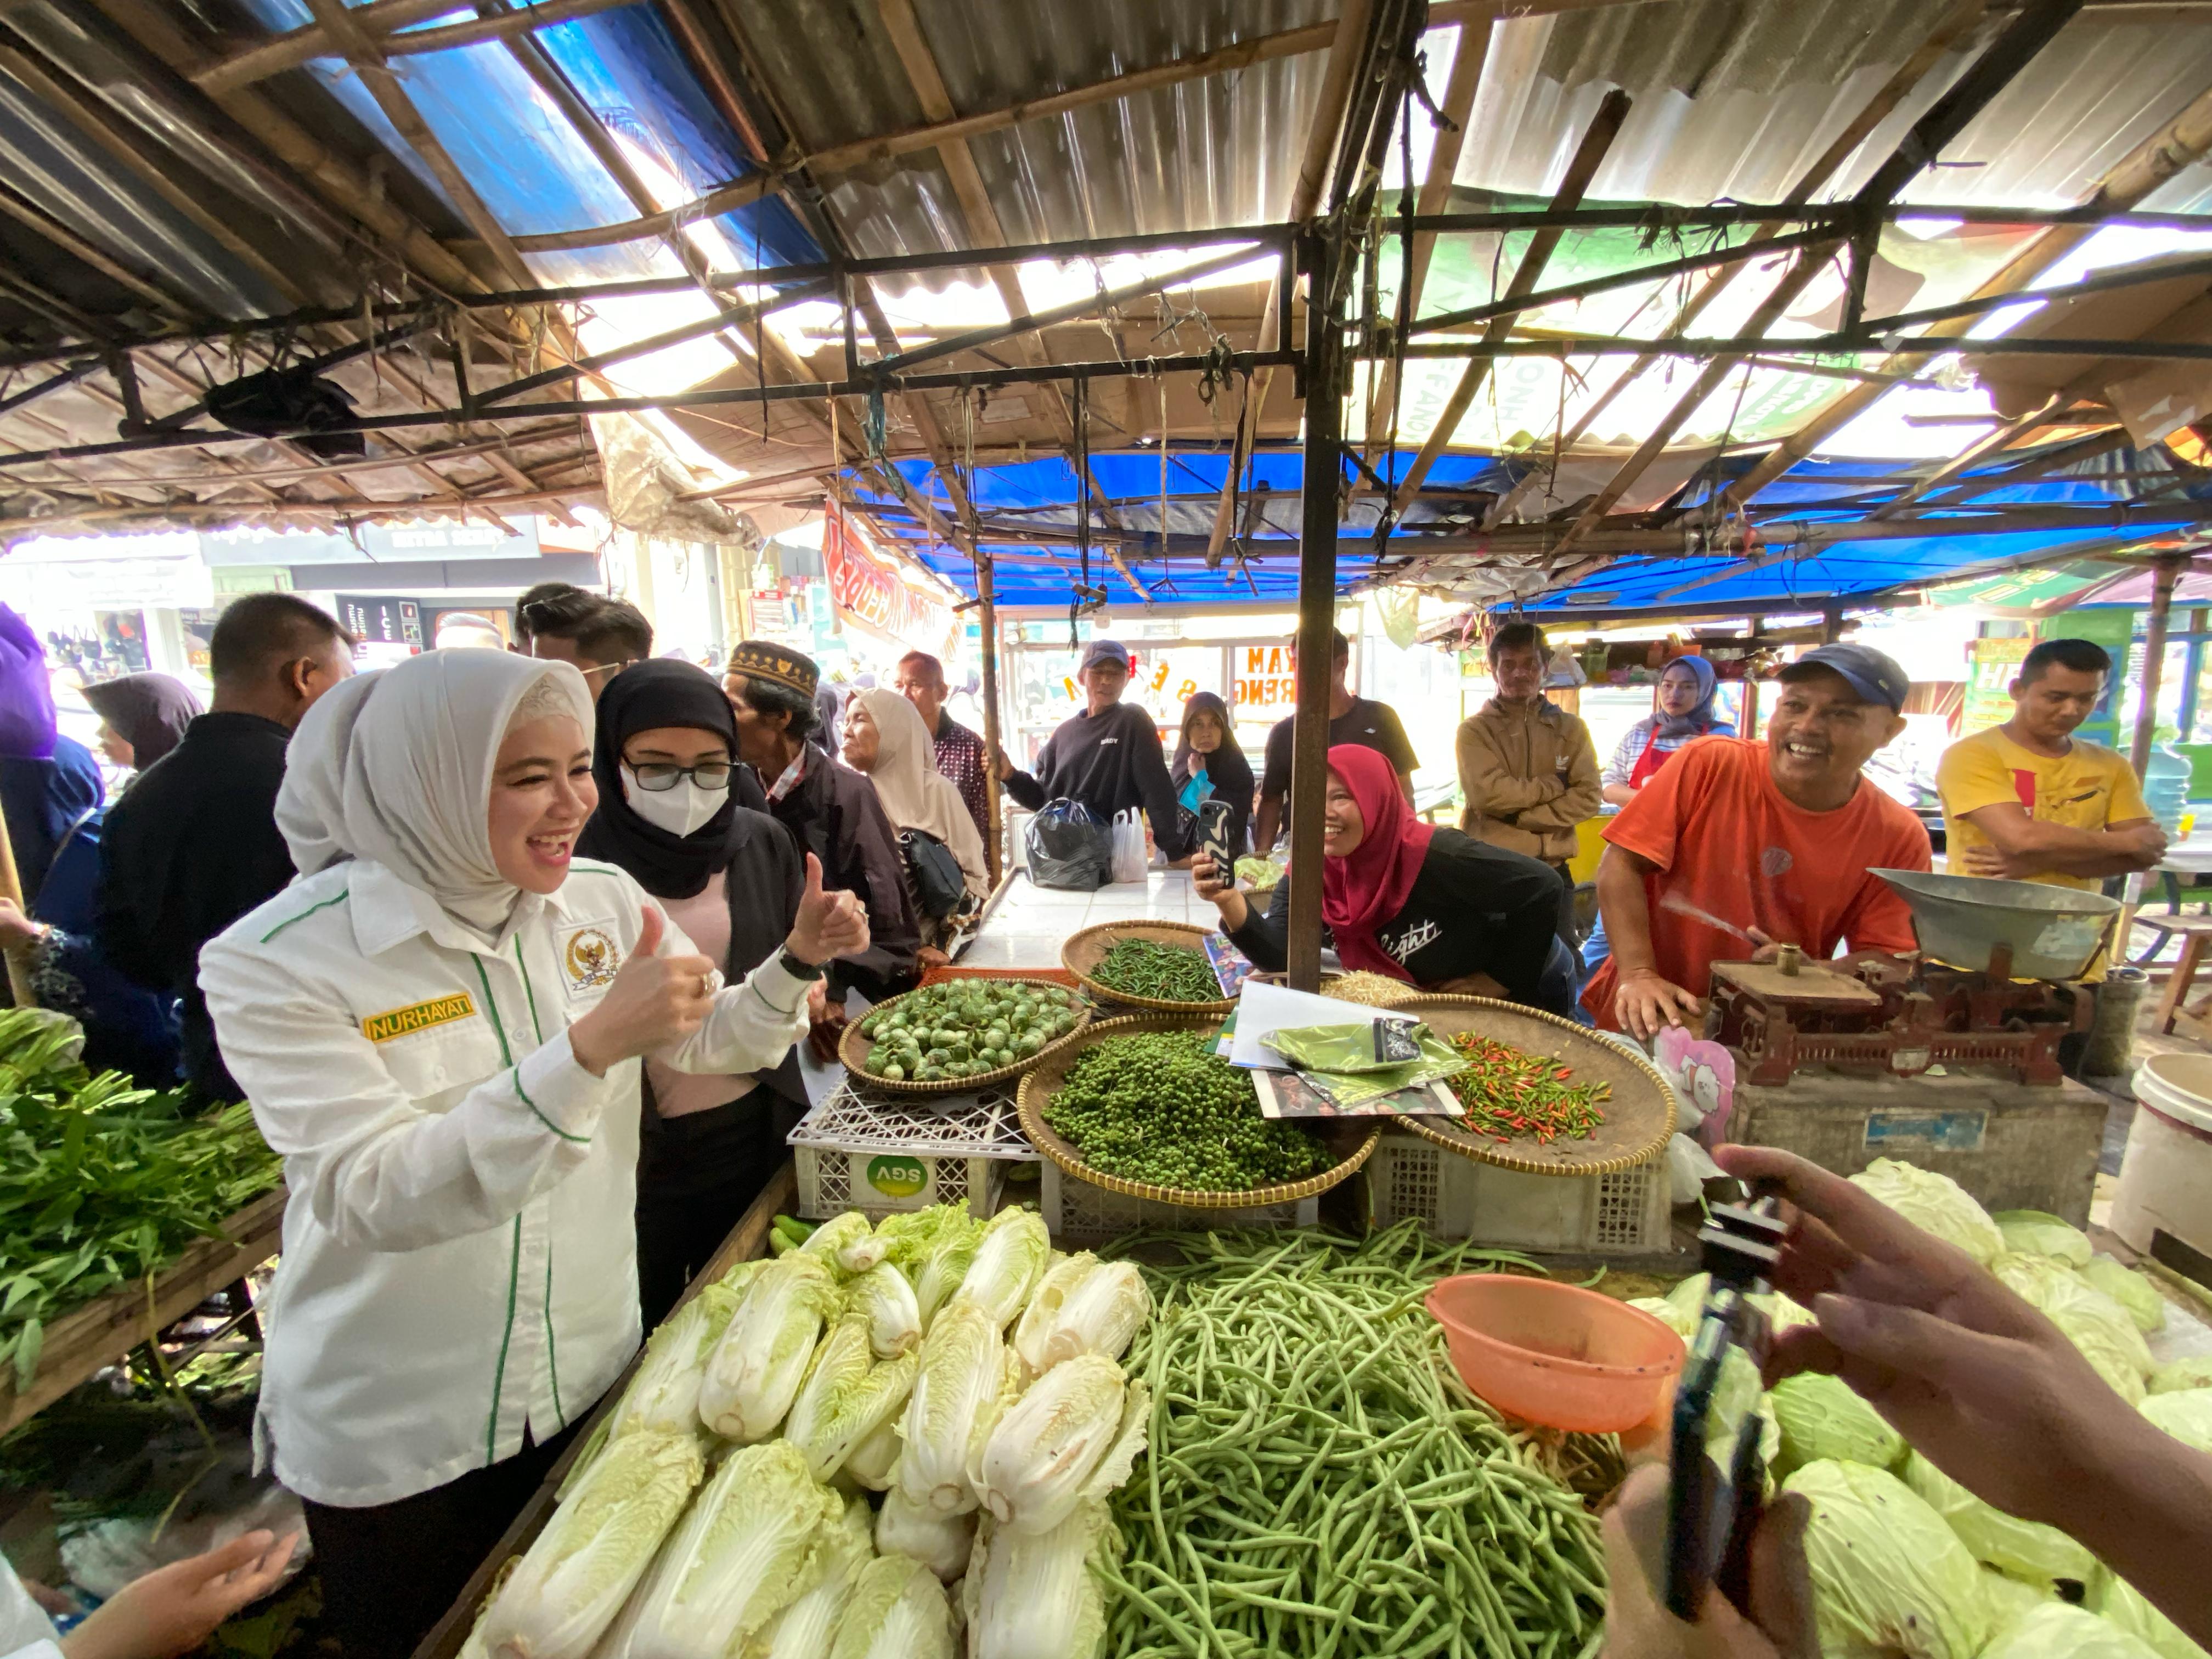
x=1877, y=1011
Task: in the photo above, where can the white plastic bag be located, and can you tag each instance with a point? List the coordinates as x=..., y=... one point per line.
x=1128, y=845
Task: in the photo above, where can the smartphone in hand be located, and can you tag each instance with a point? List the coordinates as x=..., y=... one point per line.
x=1214, y=818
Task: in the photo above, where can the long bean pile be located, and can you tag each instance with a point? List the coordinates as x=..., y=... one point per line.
x=1320, y=1484
x=1511, y=1095
x=1166, y=973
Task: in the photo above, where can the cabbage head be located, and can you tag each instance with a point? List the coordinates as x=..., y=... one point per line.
x=2187, y=1416
x=2180, y=1376
x=2010, y=1601
x=2092, y=1321
x=932, y=1248
x=940, y=1542
x=753, y=1373
x=1821, y=1418
x=567, y=1589
x=2121, y=1604
x=897, y=1610
x=760, y=1533
x=2037, y=1232
x=2129, y=1288
x=848, y=1395
x=1074, y=1435
x=1011, y=1258
x=884, y=1294
x=1889, y=1576
x=664, y=1396
x=957, y=1396
x=1039, y=1596
x=849, y=1243
x=1083, y=1306
x=1934, y=1203
x=806, y=1629
x=1663, y=1309
x=2026, y=1550
x=2055, y=1631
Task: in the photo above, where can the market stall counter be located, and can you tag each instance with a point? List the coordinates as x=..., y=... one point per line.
x=1028, y=925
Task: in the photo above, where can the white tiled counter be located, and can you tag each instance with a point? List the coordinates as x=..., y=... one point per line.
x=1029, y=924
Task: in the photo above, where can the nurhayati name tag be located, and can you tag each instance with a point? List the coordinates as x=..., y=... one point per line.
x=418, y=1017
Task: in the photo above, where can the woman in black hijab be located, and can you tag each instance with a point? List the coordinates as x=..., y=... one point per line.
x=141, y=717
x=679, y=814
x=1208, y=764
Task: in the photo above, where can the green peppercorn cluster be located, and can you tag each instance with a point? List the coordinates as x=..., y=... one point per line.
x=964, y=1028
x=1165, y=973
x=1163, y=1108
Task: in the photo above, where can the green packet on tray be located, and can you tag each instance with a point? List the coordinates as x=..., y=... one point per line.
x=1354, y=1066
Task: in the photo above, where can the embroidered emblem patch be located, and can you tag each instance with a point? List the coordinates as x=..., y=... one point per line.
x=590, y=959
x=418, y=1017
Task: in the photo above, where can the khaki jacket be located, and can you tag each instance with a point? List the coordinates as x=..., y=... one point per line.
x=1529, y=776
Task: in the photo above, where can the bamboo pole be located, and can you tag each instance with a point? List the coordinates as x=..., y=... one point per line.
x=1317, y=618
x=2161, y=605
x=993, y=800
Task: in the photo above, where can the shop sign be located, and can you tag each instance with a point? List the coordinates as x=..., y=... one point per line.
x=1991, y=667
x=872, y=595
x=374, y=619
x=1265, y=679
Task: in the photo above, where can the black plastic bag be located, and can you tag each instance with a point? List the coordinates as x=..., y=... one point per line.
x=1069, y=847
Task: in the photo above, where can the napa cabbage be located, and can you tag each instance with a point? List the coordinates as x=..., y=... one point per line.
x=1010, y=1258
x=848, y=1395
x=886, y=1296
x=1040, y=1595
x=897, y=1610
x=956, y=1398
x=570, y=1584
x=939, y=1542
x=1073, y=1434
x=1083, y=1306
x=932, y=1248
x=755, y=1370
x=807, y=1628
x=849, y=1243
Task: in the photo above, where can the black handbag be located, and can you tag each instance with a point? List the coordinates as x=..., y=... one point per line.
x=939, y=887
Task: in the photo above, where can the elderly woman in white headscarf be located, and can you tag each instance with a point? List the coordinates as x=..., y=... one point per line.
x=439, y=1026
x=886, y=740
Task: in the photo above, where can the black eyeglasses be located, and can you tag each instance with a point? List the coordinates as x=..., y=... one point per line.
x=712, y=776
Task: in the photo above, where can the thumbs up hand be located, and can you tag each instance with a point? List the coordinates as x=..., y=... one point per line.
x=829, y=924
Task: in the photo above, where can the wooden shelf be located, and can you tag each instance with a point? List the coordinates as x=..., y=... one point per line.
x=748, y=1239
x=101, y=1331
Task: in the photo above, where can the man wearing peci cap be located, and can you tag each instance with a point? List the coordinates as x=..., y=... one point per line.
x=1108, y=756
x=1739, y=846
x=832, y=811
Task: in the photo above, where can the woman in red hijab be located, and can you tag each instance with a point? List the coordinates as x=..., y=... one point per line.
x=1418, y=902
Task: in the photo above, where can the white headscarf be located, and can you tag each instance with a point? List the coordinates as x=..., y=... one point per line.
x=395, y=766
x=915, y=795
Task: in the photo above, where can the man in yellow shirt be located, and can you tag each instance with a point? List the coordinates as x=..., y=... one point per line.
x=2029, y=801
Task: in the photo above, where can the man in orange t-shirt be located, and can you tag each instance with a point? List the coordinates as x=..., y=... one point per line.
x=1738, y=846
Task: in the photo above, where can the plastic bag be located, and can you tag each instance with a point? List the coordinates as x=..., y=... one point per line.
x=1129, y=856
x=1383, y=1045
x=1067, y=847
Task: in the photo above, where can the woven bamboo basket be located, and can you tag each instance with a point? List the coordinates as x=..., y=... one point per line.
x=1352, y=1141
x=1087, y=950
x=1639, y=1117
x=853, y=1050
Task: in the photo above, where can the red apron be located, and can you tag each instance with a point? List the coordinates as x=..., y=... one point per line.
x=1653, y=758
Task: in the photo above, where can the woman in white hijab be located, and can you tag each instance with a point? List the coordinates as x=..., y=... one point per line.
x=885, y=738
x=439, y=1025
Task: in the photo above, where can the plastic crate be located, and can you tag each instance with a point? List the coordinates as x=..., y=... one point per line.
x=862, y=1149
x=1078, y=1214
x=1624, y=1213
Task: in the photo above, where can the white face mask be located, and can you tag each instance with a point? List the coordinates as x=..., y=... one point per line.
x=679, y=811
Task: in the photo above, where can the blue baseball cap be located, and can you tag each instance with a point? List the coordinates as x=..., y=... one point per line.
x=1111, y=651
x=1874, y=675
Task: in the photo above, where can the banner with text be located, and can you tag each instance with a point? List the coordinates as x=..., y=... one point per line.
x=867, y=592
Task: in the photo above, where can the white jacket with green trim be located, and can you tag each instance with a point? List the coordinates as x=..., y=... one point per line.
x=459, y=1259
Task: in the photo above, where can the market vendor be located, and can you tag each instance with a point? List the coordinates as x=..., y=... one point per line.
x=1737, y=846
x=1107, y=755
x=2029, y=801
x=1430, y=906
x=439, y=1026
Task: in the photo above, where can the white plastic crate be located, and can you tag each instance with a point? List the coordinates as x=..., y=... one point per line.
x=862, y=1149
x=1624, y=1213
x=1078, y=1213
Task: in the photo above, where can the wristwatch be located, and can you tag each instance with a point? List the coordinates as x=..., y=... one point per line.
x=797, y=969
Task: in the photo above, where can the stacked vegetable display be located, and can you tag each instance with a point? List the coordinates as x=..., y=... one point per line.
x=101, y=1183
x=1320, y=1481
x=964, y=1028
x=1904, y=1559
x=962, y=1371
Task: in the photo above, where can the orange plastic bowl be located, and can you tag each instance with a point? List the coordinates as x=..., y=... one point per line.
x=1555, y=1354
